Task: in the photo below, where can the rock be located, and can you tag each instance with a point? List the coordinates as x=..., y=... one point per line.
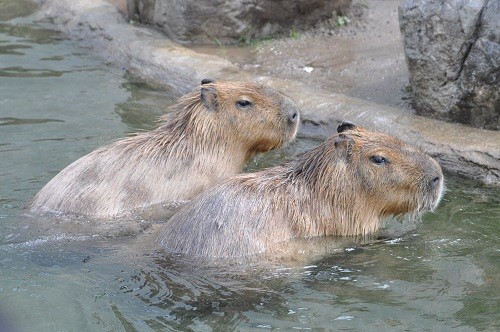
x=452, y=50
x=232, y=21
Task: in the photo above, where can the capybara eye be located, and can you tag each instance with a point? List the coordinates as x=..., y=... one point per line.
x=244, y=103
x=379, y=160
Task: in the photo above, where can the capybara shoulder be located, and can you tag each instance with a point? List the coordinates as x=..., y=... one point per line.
x=343, y=187
x=207, y=136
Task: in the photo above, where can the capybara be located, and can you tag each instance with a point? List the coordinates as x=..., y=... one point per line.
x=209, y=135
x=343, y=187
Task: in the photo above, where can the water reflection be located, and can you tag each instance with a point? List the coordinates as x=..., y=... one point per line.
x=8, y=121
x=31, y=33
x=25, y=72
x=15, y=8
x=147, y=101
x=12, y=49
x=185, y=297
x=464, y=241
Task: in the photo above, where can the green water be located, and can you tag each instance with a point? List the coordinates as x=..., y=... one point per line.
x=58, y=102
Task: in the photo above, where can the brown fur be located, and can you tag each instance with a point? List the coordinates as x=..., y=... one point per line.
x=205, y=138
x=333, y=189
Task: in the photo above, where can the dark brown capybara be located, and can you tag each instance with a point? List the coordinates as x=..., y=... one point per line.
x=343, y=187
x=208, y=136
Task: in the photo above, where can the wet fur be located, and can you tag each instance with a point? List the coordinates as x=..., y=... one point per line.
x=204, y=139
x=333, y=189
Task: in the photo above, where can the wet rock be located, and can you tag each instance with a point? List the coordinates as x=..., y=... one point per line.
x=452, y=50
x=233, y=21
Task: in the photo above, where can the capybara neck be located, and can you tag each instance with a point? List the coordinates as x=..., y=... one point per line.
x=343, y=187
x=193, y=140
x=314, y=174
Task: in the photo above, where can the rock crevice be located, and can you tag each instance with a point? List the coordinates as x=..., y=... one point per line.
x=452, y=49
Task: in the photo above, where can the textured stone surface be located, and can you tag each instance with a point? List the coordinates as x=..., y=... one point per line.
x=452, y=49
x=230, y=21
x=471, y=152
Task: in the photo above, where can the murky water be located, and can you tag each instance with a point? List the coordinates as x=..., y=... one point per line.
x=58, y=102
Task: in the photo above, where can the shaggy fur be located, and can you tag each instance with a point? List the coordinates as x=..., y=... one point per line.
x=206, y=137
x=336, y=188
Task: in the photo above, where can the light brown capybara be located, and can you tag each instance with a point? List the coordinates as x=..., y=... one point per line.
x=209, y=135
x=343, y=187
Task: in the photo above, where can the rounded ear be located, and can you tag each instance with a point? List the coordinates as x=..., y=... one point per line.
x=208, y=97
x=343, y=146
x=207, y=80
x=345, y=125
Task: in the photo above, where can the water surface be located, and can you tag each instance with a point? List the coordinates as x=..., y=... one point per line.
x=59, y=102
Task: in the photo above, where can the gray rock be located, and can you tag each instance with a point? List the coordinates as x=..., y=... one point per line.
x=222, y=21
x=452, y=50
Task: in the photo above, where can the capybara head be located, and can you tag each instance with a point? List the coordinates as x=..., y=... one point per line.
x=387, y=174
x=358, y=177
x=252, y=116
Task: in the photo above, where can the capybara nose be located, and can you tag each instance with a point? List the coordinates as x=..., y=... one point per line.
x=435, y=182
x=293, y=117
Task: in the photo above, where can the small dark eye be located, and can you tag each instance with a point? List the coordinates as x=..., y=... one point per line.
x=379, y=160
x=244, y=103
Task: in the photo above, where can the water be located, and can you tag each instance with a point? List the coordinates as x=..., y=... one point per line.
x=58, y=102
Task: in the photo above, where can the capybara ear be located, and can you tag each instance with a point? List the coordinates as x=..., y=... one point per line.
x=345, y=125
x=208, y=97
x=207, y=80
x=343, y=145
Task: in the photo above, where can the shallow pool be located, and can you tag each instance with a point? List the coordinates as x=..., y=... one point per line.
x=59, y=102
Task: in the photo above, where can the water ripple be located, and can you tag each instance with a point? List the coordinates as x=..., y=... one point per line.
x=29, y=72
x=8, y=121
x=13, y=49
